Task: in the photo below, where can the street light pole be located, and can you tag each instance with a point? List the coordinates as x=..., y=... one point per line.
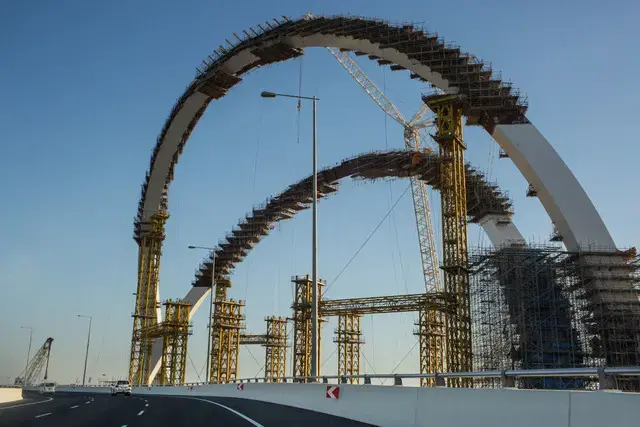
x=213, y=288
x=26, y=366
x=314, y=248
x=86, y=355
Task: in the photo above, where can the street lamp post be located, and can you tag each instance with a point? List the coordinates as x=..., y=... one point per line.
x=213, y=288
x=314, y=248
x=26, y=366
x=86, y=355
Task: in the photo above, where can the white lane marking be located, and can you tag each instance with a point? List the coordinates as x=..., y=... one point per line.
x=124, y=425
x=146, y=405
x=86, y=403
x=25, y=404
x=43, y=415
x=141, y=412
x=255, y=423
x=74, y=407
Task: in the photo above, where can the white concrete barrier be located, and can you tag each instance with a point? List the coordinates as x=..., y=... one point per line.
x=444, y=407
x=10, y=394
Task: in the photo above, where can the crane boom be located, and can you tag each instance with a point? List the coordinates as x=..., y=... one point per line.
x=421, y=204
x=37, y=363
x=372, y=90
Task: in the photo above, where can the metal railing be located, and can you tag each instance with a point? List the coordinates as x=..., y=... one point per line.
x=606, y=377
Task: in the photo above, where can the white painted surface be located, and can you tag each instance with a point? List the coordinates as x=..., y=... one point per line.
x=559, y=191
x=443, y=407
x=10, y=394
x=501, y=231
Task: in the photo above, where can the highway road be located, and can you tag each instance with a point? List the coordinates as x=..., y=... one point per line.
x=77, y=409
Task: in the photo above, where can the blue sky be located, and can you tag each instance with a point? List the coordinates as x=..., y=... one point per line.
x=87, y=86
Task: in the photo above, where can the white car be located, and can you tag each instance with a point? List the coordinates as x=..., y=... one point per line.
x=47, y=388
x=121, y=387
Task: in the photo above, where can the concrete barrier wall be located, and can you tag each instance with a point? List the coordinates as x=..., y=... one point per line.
x=444, y=407
x=11, y=394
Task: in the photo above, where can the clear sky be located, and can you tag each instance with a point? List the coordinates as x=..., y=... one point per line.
x=86, y=87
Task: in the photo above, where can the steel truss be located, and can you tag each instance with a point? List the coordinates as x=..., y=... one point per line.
x=34, y=367
x=453, y=196
x=228, y=320
x=275, y=344
x=349, y=337
x=174, y=331
x=302, y=324
x=147, y=309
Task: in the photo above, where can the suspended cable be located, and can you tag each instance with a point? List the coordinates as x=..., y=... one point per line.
x=299, y=107
x=368, y=363
x=194, y=367
x=402, y=360
x=367, y=239
x=329, y=357
x=252, y=356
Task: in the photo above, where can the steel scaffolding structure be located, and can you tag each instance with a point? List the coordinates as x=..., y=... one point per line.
x=535, y=308
x=453, y=196
x=228, y=320
x=302, y=324
x=174, y=347
x=349, y=337
x=149, y=237
x=275, y=343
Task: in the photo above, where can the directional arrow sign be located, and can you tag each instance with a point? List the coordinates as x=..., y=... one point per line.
x=333, y=392
x=240, y=386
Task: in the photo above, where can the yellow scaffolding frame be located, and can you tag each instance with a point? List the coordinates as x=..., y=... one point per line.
x=453, y=196
x=228, y=320
x=349, y=337
x=147, y=306
x=275, y=356
x=302, y=325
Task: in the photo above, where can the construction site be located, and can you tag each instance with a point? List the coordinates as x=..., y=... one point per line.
x=512, y=306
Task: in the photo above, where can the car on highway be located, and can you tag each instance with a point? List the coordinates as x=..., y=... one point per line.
x=121, y=387
x=47, y=388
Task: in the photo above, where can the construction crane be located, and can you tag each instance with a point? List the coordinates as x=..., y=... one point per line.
x=35, y=365
x=428, y=253
x=431, y=323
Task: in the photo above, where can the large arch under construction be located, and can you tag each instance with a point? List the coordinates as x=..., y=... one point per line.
x=473, y=91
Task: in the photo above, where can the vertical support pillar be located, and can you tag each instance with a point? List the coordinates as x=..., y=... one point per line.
x=175, y=330
x=302, y=325
x=228, y=320
x=431, y=337
x=349, y=337
x=147, y=305
x=453, y=195
x=275, y=349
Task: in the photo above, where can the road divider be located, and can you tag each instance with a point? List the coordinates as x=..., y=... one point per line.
x=422, y=406
x=10, y=394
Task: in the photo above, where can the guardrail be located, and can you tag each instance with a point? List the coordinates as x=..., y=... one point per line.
x=606, y=377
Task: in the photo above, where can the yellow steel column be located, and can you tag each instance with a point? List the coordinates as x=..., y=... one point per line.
x=217, y=333
x=145, y=315
x=453, y=197
x=348, y=337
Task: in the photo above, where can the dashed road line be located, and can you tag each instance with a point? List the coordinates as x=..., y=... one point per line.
x=86, y=403
x=243, y=416
x=43, y=415
x=75, y=406
x=141, y=412
x=146, y=404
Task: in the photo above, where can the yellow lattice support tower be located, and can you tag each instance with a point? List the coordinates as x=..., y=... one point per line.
x=275, y=357
x=453, y=196
x=349, y=337
x=147, y=309
x=174, y=346
x=302, y=325
x=431, y=337
x=228, y=320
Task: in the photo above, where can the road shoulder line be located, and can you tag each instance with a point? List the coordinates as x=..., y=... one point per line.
x=243, y=416
x=26, y=404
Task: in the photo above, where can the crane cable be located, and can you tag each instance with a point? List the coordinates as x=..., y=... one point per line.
x=367, y=239
x=299, y=107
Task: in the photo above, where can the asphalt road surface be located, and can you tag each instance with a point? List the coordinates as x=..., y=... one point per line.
x=97, y=410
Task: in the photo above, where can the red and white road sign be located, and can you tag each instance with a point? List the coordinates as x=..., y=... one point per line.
x=240, y=386
x=333, y=392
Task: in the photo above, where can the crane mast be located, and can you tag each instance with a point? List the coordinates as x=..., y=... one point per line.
x=39, y=362
x=428, y=253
